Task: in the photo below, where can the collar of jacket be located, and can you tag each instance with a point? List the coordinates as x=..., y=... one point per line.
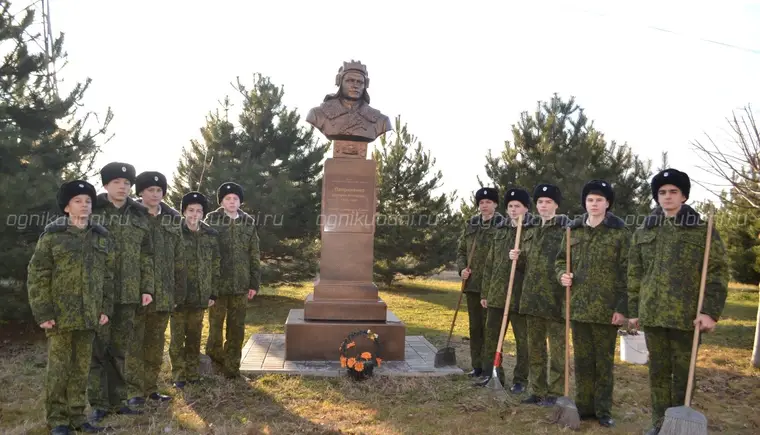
x=218, y=215
x=560, y=219
x=62, y=223
x=528, y=220
x=496, y=221
x=610, y=221
x=165, y=209
x=202, y=226
x=129, y=205
x=686, y=217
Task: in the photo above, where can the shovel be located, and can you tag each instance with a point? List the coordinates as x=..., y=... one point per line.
x=493, y=383
x=447, y=356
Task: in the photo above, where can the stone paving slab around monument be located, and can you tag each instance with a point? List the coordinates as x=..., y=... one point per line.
x=265, y=353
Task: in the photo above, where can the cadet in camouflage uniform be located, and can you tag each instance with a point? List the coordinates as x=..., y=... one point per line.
x=664, y=272
x=542, y=299
x=479, y=229
x=201, y=246
x=145, y=358
x=240, y=277
x=127, y=222
x=70, y=285
x=494, y=293
x=598, y=300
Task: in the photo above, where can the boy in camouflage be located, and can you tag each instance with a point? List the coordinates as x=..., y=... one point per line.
x=598, y=300
x=146, y=355
x=479, y=230
x=201, y=246
x=542, y=299
x=494, y=293
x=126, y=221
x=664, y=274
x=240, y=277
x=70, y=280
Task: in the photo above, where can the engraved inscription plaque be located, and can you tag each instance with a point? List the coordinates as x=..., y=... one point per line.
x=348, y=203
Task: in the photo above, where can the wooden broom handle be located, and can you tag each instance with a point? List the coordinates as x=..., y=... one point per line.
x=504, y=319
x=567, y=315
x=700, y=301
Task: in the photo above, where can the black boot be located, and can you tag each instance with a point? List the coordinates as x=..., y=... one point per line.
x=97, y=415
x=126, y=410
x=475, y=373
x=517, y=388
x=60, y=430
x=532, y=400
x=88, y=428
x=606, y=422
x=161, y=397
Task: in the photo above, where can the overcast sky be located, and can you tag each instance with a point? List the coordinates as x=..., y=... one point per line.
x=459, y=73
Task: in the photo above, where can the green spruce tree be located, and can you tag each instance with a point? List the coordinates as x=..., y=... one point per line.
x=558, y=144
x=279, y=165
x=44, y=140
x=416, y=232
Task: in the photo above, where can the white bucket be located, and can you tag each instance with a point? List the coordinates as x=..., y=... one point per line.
x=633, y=349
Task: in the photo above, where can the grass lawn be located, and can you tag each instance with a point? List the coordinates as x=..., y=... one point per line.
x=728, y=389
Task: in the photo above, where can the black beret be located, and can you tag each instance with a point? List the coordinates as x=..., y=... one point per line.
x=116, y=170
x=671, y=176
x=491, y=193
x=545, y=190
x=69, y=190
x=600, y=186
x=517, y=194
x=194, y=198
x=229, y=187
x=149, y=179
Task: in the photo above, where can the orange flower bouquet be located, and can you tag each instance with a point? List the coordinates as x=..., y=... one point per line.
x=360, y=365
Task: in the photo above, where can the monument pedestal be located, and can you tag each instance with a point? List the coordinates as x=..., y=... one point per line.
x=344, y=299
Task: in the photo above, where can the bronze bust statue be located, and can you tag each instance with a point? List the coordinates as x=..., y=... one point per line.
x=346, y=114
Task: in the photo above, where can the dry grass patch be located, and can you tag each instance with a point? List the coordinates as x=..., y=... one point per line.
x=727, y=386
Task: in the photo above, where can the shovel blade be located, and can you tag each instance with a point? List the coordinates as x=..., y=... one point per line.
x=445, y=357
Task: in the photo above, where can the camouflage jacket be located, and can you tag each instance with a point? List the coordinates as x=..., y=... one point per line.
x=170, y=280
x=239, y=251
x=499, y=266
x=599, y=264
x=70, y=276
x=130, y=231
x=542, y=295
x=202, y=259
x=665, y=269
x=482, y=232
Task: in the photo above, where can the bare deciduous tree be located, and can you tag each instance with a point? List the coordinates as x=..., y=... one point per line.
x=737, y=162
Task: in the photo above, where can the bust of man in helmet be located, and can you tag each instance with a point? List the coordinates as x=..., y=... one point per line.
x=346, y=114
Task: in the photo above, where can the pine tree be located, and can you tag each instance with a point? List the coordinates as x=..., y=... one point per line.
x=416, y=231
x=557, y=144
x=279, y=165
x=43, y=141
x=739, y=226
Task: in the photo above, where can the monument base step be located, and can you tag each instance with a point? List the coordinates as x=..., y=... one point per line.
x=357, y=310
x=319, y=340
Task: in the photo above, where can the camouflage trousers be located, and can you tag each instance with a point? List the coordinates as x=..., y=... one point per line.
x=669, y=357
x=594, y=355
x=146, y=352
x=477, y=316
x=539, y=330
x=227, y=353
x=185, y=345
x=68, y=365
x=107, y=389
x=494, y=317
x=519, y=324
